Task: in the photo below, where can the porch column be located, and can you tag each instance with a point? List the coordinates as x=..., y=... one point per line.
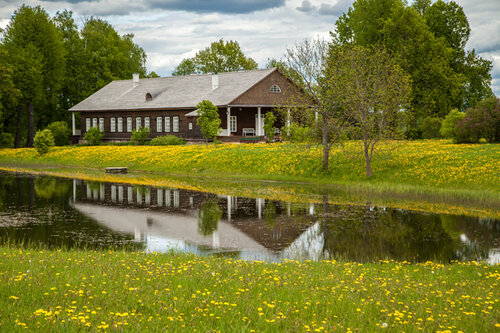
x=228, y=121
x=288, y=122
x=73, y=124
x=258, y=122
x=229, y=208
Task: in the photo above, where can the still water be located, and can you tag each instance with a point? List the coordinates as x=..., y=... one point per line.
x=57, y=212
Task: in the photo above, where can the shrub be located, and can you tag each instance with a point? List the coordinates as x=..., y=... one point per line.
x=477, y=124
x=140, y=136
x=449, y=122
x=430, y=128
x=61, y=132
x=167, y=140
x=6, y=140
x=208, y=119
x=93, y=136
x=43, y=140
x=269, y=128
x=297, y=133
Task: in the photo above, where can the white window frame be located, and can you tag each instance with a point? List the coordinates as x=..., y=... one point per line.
x=167, y=124
x=129, y=124
x=159, y=124
x=147, y=122
x=275, y=88
x=190, y=126
x=101, y=124
x=120, y=124
x=138, y=123
x=112, y=124
x=175, y=124
x=233, y=124
x=94, y=122
x=87, y=124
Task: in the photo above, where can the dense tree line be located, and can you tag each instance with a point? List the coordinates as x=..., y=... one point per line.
x=47, y=65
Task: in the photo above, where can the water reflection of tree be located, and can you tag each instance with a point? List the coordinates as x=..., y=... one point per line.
x=270, y=214
x=209, y=216
x=48, y=188
x=369, y=233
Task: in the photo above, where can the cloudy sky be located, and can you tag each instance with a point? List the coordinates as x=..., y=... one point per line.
x=170, y=30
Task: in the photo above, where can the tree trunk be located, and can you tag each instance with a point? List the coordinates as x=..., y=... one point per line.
x=368, y=161
x=31, y=126
x=20, y=111
x=326, y=148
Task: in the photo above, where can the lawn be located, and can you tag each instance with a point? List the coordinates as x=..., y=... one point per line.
x=75, y=290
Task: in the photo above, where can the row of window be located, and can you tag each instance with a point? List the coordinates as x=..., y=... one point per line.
x=116, y=124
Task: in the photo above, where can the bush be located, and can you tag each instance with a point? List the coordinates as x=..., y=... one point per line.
x=297, y=133
x=6, y=140
x=449, y=123
x=430, y=128
x=269, y=128
x=208, y=120
x=477, y=124
x=43, y=140
x=140, y=136
x=61, y=132
x=93, y=136
x=167, y=140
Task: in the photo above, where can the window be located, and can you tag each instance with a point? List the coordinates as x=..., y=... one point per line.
x=138, y=123
x=190, y=126
x=120, y=124
x=175, y=123
x=167, y=124
x=149, y=97
x=94, y=122
x=129, y=124
x=158, y=124
x=232, y=124
x=87, y=124
x=147, y=121
x=101, y=124
x=275, y=89
x=112, y=125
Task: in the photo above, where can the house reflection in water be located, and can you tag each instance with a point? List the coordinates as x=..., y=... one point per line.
x=166, y=218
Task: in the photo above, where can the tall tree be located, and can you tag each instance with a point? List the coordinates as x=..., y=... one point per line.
x=371, y=89
x=220, y=56
x=35, y=45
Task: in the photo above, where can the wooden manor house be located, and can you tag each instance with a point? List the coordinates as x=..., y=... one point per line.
x=168, y=105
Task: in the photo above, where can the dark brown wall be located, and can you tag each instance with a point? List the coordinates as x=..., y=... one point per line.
x=260, y=94
x=107, y=115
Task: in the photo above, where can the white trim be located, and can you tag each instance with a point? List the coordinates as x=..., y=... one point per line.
x=129, y=124
x=120, y=124
x=159, y=124
x=112, y=124
x=138, y=123
x=228, y=120
x=233, y=122
x=175, y=124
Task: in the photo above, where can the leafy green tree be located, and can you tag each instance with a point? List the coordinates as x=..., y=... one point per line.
x=208, y=119
x=371, y=88
x=93, y=136
x=140, y=136
x=35, y=46
x=219, y=57
x=43, y=141
x=9, y=94
x=60, y=131
x=208, y=217
x=449, y=123
x=269, y=128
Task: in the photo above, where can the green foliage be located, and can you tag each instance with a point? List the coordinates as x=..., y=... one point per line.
x=482, y=122
x=167, y=140
x=219, y=57
x=428, y=42
x=140, y=136
x=6, y=140
x=208, y=119
x=297, y=133
x=430, y=128
x=449, y=123
x=43, y=141
x=93, y=136
x=61, y=132
x=209, y=216
x=269, y=128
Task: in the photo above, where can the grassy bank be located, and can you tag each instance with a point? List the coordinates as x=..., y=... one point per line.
x=100, y=291
x=439, y=164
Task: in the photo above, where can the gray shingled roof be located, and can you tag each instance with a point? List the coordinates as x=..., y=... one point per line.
x=172, y=92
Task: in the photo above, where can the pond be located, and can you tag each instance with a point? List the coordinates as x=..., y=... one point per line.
x=66, y=213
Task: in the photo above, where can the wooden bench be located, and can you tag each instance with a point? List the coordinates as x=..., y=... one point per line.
x=116, y=170
x=248, y=131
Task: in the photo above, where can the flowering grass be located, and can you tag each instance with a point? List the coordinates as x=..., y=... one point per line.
x=81, y=290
